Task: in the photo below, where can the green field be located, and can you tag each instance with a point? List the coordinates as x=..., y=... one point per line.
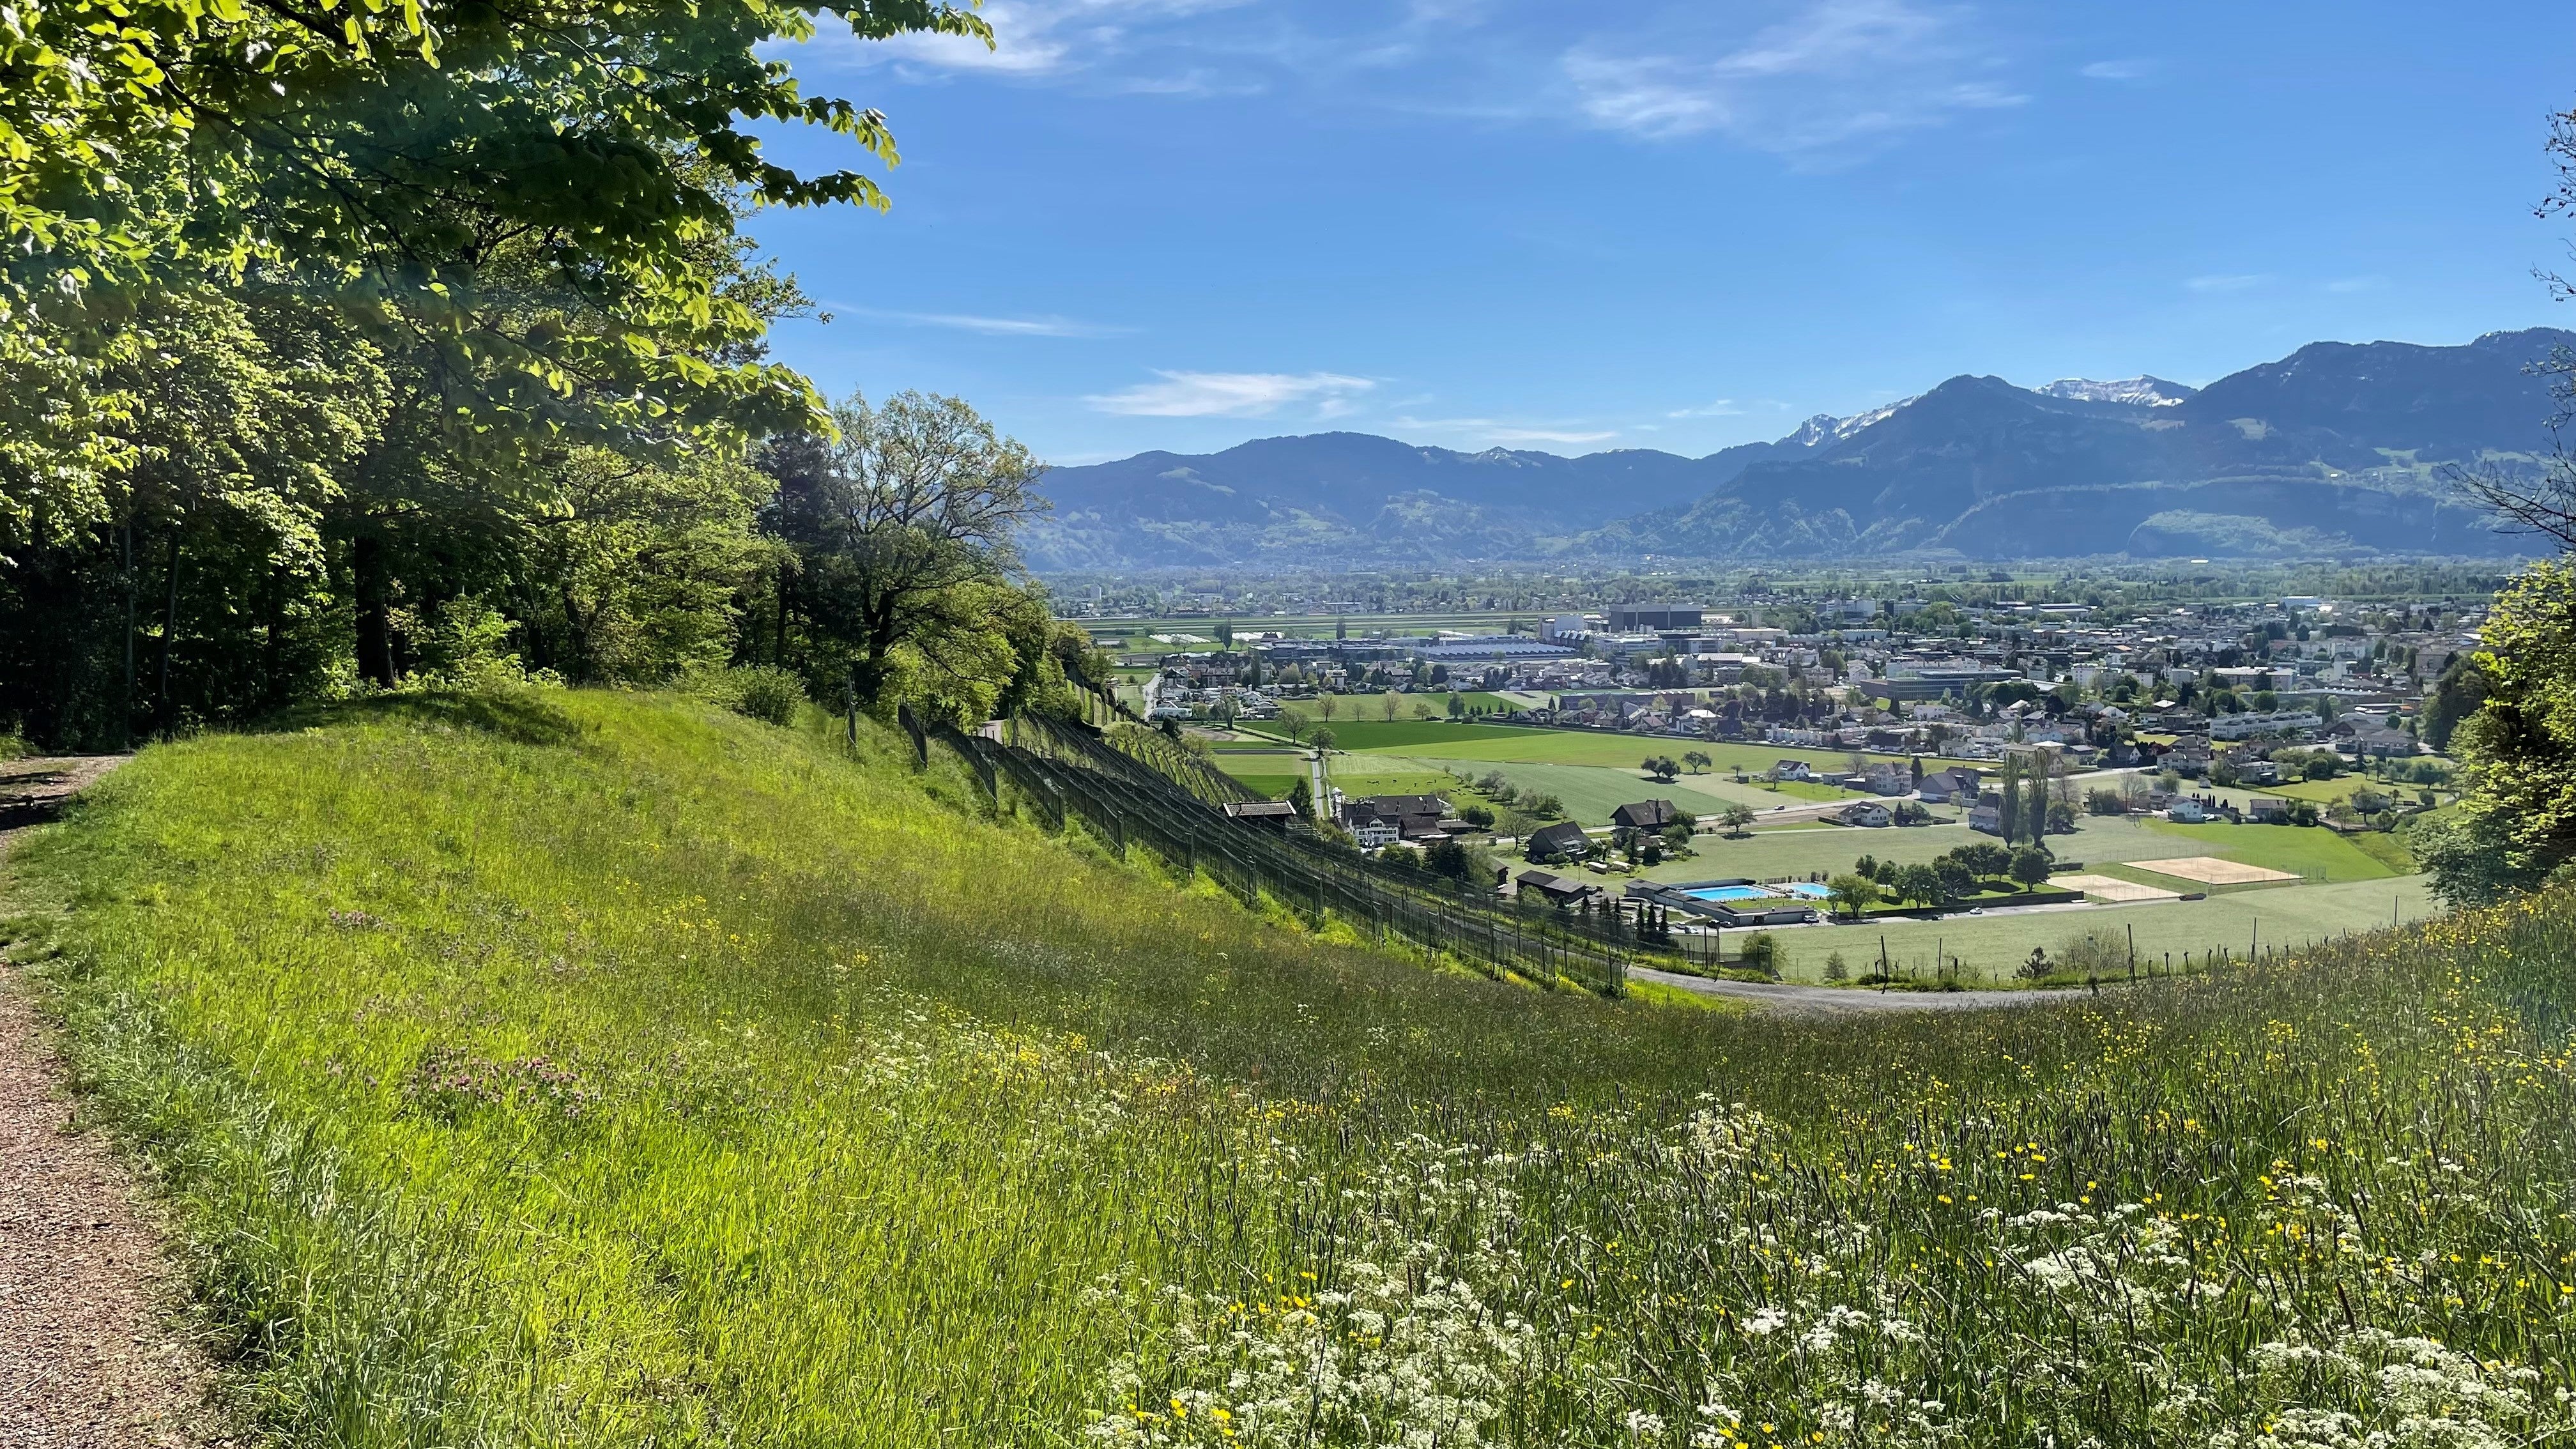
x=590, y=1068
x=1990, y=946
x=1400, y=735
x=2310, y=851
x=1506, y=744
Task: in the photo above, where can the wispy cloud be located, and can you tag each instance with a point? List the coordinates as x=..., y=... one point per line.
x=2357, y=284
x=1831, y=75
x=1030, y=38
x=995, y=326
x=2118, y=70
x=2228, y=282
x=1233, y=394
x=1722, y=408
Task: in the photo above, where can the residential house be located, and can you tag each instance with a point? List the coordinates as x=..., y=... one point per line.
x=1369, y=828
x=1888, y=779
x=1792, y=770
x=2268, y=810
x=1652, y=815
x=2186, y=811
x=1987, y=814
x=1866, y=813
x=1945, y=787
x=2275, y=722
x=1564, y=840
x=1411, y=817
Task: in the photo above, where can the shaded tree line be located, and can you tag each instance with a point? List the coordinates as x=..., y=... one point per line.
x=345, y=347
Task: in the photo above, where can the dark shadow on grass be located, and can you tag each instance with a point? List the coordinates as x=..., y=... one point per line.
x=521, y=717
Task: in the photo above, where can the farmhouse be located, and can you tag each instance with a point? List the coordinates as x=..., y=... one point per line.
x=1866, y=813
x=1564, y=840
x=1987, y=814
x=1376, y=820
x=1792, y=770
x=1943, y=787
x=1647, y=815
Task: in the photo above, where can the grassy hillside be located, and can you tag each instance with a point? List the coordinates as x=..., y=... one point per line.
x=587, y=1068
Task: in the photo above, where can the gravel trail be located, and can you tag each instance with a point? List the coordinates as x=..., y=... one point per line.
x=90, y=1357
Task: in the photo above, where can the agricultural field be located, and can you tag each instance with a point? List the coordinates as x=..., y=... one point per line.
x=1504, y=744
x=587, y=1067
x=1987, y=948
x=2311, y=852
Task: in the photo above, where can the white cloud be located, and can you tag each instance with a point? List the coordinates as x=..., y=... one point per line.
x=1030, y=38
x=1232, y=394
x=1722, y=408
x=2118, y=70
x=2357, y=284
x=1831, y=74
x=998, y=326
x=2237, y=282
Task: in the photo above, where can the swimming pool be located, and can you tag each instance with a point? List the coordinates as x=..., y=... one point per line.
x=1728, y=893
x=1808, y=890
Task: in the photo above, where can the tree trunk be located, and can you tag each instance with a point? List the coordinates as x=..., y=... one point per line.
x=375, y=621
x=778, y=643
x=125, y=723
x=273, y=664
x=169, y=627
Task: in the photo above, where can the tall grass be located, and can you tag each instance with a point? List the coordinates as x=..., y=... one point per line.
x=579, y=1067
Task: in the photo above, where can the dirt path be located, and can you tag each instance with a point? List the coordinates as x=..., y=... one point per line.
x=1849, y=1000
x=89, y=1358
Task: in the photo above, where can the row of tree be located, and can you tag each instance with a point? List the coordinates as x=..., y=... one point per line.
x=340, y=346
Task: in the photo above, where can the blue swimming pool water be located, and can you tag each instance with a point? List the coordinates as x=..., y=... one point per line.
x=1809, y=890
x=1728, y=893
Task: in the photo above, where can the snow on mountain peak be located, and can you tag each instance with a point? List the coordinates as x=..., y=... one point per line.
x=2142, y=391
x=1825, y=428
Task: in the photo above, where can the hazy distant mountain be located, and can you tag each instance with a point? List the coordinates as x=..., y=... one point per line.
x=2338, y=449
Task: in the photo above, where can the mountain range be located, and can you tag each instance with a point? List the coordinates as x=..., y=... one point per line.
x=2338, y=450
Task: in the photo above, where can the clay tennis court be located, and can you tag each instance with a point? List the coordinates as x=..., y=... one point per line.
x=2210, y=870
x=2111, y=888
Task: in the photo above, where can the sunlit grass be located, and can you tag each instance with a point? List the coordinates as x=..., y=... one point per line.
x=588, y=1068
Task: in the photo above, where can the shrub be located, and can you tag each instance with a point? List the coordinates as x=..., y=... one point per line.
x=1761, y=953
x=760, y=691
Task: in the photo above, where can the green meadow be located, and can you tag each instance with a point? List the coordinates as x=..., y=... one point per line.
x=573, y=1068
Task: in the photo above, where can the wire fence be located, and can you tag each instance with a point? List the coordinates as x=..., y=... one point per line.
x=1159, y=798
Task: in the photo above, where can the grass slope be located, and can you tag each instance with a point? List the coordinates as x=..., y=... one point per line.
x=590, y=1069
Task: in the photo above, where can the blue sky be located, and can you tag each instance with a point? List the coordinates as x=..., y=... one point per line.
x=1183, y=223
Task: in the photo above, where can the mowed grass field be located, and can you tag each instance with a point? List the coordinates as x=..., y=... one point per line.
x=589, y=1068
x=1989, y=947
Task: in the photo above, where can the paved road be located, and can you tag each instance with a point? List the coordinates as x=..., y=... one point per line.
x=1851, y=1000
